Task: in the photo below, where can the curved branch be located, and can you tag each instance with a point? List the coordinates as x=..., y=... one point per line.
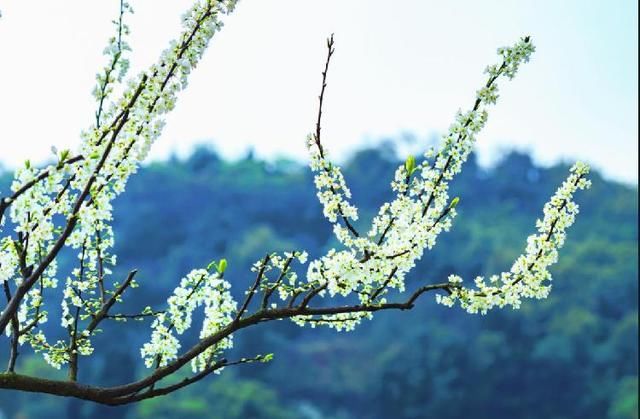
x=130, y=392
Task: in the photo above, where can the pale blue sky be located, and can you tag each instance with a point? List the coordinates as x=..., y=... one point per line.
x=402, y=66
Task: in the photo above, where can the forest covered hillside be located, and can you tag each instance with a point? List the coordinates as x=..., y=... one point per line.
x=573, y=355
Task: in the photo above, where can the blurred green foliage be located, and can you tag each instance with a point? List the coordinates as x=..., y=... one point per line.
x=574, y=355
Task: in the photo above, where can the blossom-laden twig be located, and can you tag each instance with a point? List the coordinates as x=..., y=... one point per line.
x=529, y=276
x=198, y=288
x=333, y=192
x=405, y=227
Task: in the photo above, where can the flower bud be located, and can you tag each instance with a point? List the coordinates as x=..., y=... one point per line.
x=222, y=266
x=410, y=165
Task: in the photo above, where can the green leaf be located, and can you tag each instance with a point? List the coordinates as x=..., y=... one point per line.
x=211, y=265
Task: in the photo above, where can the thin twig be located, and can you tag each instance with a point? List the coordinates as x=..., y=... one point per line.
x=316, y=138
x=99, y=316
x=253, y=289
x=270, y=290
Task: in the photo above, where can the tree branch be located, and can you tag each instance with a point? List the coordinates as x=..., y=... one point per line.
x=253, y=289
x=269, y=291
x=128, y=393
x=104, y=311
x=15, y=333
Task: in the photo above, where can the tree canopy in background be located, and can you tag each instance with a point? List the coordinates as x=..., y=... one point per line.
x=574, y=355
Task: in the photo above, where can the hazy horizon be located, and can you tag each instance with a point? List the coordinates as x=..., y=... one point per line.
x=396, y=71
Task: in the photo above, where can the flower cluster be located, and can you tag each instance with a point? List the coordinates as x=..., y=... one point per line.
x=198, y=288
x=113, y=73
x=333, y=193
x=341, y=322
x=529, y=276
x=32, y=214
